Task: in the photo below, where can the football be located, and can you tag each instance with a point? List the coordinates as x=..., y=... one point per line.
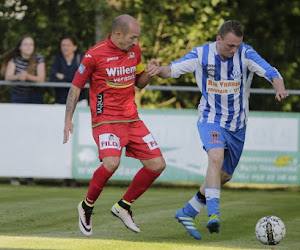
x=270, y=230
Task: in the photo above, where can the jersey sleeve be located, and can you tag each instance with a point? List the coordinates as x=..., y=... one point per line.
x=84, y=71
x=140, y=67
x=260, y=66
x=186, y=64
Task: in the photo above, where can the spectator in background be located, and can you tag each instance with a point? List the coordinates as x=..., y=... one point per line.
x=64, y=67
x=23, y=64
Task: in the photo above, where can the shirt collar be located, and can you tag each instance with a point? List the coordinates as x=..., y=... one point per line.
x=110, y=43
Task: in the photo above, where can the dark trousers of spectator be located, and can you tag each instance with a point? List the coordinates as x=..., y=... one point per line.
x=27, y=95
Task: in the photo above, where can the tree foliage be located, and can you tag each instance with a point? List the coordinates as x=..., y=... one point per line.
x=170, y=29
x=272, y=29
x=46, y=21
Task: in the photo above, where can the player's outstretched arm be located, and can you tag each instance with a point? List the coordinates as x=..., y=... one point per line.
x=152, y=69
x=278, y=85
x=164, y=72
x=72, y=100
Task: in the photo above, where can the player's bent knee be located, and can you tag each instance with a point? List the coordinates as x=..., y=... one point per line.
x=161, y=166
x=225, y=177
x=156, y=164
x=111, y=163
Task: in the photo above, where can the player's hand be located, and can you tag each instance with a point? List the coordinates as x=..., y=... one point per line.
x=152, y=68
x=281, y=94
x=69, y=126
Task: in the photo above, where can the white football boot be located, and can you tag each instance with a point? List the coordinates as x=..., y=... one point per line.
x=125, y=216
x=85, y=219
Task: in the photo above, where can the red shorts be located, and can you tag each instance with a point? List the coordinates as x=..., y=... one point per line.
x=139, y=143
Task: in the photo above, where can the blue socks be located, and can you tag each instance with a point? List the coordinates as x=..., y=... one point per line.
x=193, y=206
x=212, y=196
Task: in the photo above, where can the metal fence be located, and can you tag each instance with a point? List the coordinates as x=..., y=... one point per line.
x=150, y=87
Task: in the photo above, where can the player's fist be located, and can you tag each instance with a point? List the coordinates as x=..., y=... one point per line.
x=152, y=68
x=281, y=94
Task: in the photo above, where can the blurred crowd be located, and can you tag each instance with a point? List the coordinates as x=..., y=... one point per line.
x=22, y=63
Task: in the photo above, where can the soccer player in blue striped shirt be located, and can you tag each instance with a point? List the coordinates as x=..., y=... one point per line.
x=224, y=71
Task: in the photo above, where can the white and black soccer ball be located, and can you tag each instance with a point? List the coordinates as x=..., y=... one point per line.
x=270, y=230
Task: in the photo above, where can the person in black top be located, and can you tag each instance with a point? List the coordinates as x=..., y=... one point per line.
x=64, y=67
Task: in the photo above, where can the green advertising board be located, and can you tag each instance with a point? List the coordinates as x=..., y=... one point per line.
x=271, y=154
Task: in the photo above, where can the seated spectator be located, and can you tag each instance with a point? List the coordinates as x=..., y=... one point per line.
x=23, y=64
x=64, y=67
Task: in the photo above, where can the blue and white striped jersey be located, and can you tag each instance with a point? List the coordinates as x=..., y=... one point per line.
x=224, y=84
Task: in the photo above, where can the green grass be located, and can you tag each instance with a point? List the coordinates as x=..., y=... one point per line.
x=43, y=217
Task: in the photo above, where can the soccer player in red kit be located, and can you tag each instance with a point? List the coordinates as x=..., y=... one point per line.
x=113, y=68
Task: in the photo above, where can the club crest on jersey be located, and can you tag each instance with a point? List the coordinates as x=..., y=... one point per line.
x=131, y=55
x=81, y=68
x=236, y=73
x=109, y=141
x=211, y=70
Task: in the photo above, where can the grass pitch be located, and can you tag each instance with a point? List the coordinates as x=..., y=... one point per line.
x=43, y=217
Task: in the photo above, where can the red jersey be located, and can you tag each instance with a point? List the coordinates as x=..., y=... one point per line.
x=111, y=73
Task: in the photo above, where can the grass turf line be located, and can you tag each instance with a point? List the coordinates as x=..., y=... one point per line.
x=42, y=217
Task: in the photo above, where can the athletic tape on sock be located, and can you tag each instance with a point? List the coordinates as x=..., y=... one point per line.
x=211, y=193
x=196, y=204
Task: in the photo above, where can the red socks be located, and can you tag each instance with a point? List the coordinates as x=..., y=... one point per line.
x=97, y=183
x=140, y=183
